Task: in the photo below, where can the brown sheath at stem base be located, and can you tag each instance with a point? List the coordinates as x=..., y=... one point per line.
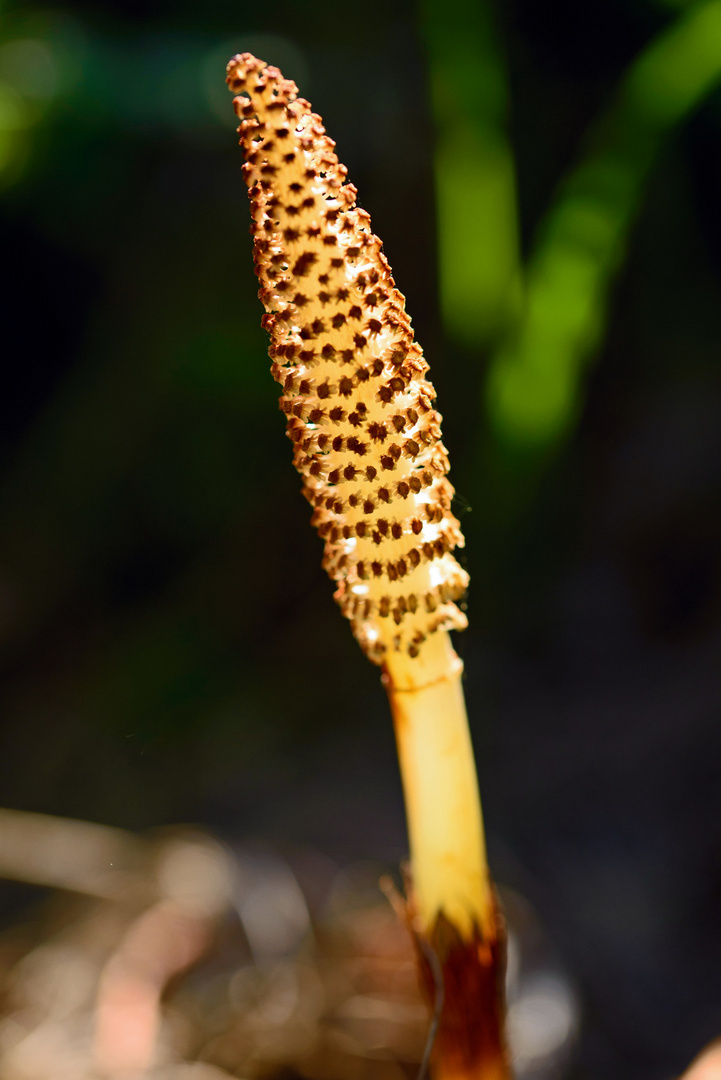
x=469, y=1042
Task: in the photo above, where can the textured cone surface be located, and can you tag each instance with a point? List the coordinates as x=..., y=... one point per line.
x=360, y=411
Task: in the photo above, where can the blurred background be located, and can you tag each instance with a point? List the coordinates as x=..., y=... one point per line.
x=546, y=180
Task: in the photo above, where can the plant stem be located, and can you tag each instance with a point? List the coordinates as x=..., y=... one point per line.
x=448, y=856
x=451, y=907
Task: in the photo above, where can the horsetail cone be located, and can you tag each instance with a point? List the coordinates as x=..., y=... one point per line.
x=366, y=436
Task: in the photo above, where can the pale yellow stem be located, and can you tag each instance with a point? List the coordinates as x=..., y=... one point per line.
x=445, y=826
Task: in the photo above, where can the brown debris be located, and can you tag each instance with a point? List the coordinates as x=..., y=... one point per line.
x=196, y=963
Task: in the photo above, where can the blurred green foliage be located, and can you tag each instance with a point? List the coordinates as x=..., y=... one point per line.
x=474, y=171
x=535, y=390
x=543, y=320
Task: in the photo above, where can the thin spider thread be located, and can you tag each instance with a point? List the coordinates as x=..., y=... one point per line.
x=431, y=956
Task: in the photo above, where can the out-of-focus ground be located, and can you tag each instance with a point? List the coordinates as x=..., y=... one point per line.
x=174, y=957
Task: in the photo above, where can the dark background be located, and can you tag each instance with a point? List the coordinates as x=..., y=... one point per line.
x=170, y=649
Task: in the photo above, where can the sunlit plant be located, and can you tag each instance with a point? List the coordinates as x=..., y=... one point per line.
x=367, y=444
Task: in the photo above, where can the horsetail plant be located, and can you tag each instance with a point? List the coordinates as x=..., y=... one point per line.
x=367, y=444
